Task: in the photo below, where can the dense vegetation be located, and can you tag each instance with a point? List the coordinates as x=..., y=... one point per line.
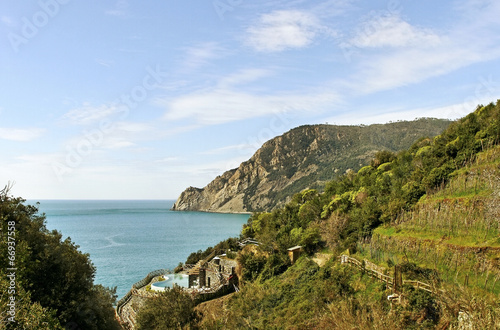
x=432, y=209
x=53, y=284
x=172, y=309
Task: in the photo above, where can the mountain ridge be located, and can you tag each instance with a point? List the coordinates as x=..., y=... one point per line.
x=304, y=157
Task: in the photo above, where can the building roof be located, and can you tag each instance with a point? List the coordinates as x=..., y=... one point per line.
x=298, y=247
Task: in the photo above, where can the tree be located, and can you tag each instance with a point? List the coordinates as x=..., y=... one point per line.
x=311, y=239
x=382, y=157
x=56, y=277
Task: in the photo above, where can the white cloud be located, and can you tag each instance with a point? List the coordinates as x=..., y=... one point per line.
x=201, y=54
x=243, y=77
x=170, y=160
x=88, y=114
x=331, y=8
x=392, y=31
x=202, y=173
x=8, y=21
x=21, y=134
x=225, y=105
x=416, y=65
x=229, y=149
x=120, y=9
x=412, y=55
x=384, y=115
x=282, y=30
x=118, y=135
x=133, y=127
x=117, y=143
x=407, y=67
x=229, y=101
x=40, y=159
x=105, y=63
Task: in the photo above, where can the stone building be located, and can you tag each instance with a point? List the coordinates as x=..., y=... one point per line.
x=212, y=273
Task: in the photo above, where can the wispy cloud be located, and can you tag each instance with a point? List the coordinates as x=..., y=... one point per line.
x=203, y=173
x=170, y=160
x=89, y=114
x=120, y=9
x=106, y=63
x=8, y=21
x=200, y=55
x=392, y=31
x=119, y=135
x=414, y=54
x=243, y=77
x=231, y=99
x=282, y=30
x=117, y=143
x=228, y=149
x=332, y=8
x=21, y=134
x=226, y=105
x=385, y=115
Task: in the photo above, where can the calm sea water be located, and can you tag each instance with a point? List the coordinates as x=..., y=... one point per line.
x=128, y=239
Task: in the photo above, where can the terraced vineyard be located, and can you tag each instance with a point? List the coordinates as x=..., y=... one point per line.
x=451, y=238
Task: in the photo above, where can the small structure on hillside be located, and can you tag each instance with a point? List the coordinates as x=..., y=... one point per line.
x=213, y=272
x=294, y=253
x=248, y=241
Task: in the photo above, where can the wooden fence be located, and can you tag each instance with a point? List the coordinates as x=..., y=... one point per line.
x=374, y=271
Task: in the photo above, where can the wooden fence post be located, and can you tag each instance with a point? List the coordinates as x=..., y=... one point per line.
x=398, y=279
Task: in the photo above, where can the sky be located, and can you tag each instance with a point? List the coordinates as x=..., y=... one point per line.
x=134, y=99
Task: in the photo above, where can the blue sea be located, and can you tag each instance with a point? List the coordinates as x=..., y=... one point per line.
x=128, y=239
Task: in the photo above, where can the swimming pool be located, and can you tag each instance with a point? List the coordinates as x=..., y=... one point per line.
x=171, y=279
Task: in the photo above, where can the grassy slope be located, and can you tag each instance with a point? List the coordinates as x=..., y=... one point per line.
x=455, y=230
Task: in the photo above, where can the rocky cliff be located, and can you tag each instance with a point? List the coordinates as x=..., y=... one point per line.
x=304, y=157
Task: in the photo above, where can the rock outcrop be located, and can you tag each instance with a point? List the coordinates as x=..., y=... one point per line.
x=304, y=157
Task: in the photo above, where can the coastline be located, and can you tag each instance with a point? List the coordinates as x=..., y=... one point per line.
x=121, y=235
x=213, y=212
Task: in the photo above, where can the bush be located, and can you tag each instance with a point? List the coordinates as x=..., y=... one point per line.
x=251, y=265
x=179, y=268
x=422, y=305
x=276, y=264
x=172, y=309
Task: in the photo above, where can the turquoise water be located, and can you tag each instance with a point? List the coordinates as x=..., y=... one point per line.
x=128, y=239
x=171, y=279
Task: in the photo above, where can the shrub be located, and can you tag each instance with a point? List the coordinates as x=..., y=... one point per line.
x=172, y=309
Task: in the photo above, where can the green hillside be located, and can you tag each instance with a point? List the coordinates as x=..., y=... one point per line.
x=431, y=211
